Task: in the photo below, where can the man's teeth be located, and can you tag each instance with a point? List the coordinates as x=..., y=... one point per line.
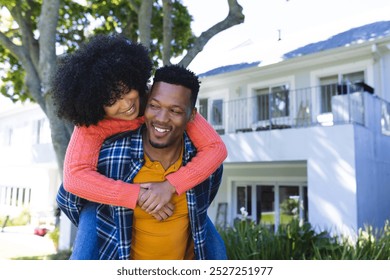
x=161, y=129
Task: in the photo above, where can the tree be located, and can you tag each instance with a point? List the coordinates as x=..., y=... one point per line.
x=33, y=32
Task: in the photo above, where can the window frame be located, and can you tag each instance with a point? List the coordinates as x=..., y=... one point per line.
x=253, y=203
x=269, y=98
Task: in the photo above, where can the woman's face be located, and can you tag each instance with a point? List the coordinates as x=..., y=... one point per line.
x=125, y=108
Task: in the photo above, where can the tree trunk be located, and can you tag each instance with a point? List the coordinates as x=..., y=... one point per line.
x=144, y=21
x=167, y=32
x=47, y=26
x=60, y=133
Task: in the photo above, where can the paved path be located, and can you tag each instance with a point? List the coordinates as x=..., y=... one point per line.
x=22, y=242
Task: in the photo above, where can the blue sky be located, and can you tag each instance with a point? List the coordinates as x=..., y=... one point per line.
x=300, y=22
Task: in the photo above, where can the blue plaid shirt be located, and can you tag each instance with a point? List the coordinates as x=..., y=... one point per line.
x=121, y=158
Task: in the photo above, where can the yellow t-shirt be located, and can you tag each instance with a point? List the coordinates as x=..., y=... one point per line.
x=161, y=240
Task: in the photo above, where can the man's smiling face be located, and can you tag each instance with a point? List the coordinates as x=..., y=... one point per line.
x=167, y=113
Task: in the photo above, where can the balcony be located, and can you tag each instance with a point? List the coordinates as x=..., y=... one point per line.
x=316, y=106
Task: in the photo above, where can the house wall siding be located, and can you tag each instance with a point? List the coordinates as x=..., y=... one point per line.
x=330, y=156
x=372, y=171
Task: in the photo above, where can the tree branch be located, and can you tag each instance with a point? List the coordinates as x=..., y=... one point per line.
x=15, y=50
x=135, y=6
x=47, y=26
x=32, y=44
x=234, y=17
x=23, y=54
x=29, y=43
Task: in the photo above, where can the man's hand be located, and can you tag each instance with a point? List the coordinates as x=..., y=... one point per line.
x=155, y=196
x=165, y=212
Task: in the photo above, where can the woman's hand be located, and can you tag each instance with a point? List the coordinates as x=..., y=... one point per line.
x=155, y=196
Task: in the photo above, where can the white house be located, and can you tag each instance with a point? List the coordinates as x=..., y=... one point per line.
x=307, y=137
x=29, y=176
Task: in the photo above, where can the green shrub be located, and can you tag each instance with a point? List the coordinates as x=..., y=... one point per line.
x=22, y=219
x=370, y=245
x=247, y=240
x=60, y=255
x=55, y=236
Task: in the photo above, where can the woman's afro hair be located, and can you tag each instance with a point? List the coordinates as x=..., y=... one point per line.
x=98, y=74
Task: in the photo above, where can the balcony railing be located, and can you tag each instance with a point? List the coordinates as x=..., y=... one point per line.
x=324, y=105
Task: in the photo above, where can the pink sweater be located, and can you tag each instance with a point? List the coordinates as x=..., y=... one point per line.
x=80, y=166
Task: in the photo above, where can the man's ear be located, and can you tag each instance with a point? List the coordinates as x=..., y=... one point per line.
x=193, y=113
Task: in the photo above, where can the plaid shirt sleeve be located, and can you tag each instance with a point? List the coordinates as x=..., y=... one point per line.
x=70, y=204
x=199, y=199
x=216, y=179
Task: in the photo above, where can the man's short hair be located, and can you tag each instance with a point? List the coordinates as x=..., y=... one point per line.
x=179, y=75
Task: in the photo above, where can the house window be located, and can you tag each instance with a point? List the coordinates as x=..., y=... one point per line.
x=272, y=205
x=353, y=78
x=280, y=102
x=272, y=102
x=215, y=115
x=203, y=107
x=328, y=89
x=265, y=204
x=244, y=199
x=262, y=102
x=385, y=118
x=288, y=204
x=43, y=132
x=217, y=112
x=7, y=136
x=19, y=134
x=336, y=85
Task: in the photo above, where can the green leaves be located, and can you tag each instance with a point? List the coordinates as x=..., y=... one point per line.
x=76, y=23
x=247, y=240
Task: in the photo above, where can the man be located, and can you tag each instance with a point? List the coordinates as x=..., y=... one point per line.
x=148, y=154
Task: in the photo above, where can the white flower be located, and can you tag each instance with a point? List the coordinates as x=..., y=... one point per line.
x=244, y=213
